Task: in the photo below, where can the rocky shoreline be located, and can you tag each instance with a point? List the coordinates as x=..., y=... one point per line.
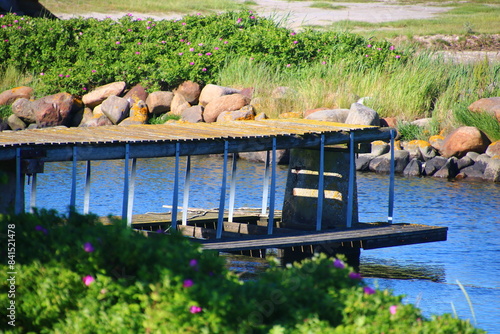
x=465, y=152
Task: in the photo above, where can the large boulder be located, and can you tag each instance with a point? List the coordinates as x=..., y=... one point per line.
x=211, y=92
x=15, y=123
x=138, y=114
x=462, y=140
x=224, y=103
x=420, y=149
x=190, y=91
x=179, y=104
x=98, y=95
x=382, y=164
x=489, y=105
x=54, y=110
x=433, y=165
x=414, y=168
x=159, y=102
x=244, y=114
x=9, y=96
x=436, y=141
x=136, y=94
x=193, y=114
x=329, y=115
x=492, y=171
x=362, y=115
x=493, y=149
x=472, y=172
x=115, y=108
x=449, y=170
x=22, y=108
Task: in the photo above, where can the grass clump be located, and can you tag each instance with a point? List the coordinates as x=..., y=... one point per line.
x=76, y=275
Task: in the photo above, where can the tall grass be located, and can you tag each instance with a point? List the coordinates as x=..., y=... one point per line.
x=427, y=86
x=145, y=6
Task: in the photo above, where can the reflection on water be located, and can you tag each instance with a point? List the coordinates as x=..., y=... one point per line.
x=426, y=273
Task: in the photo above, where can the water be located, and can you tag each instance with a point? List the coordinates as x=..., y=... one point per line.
x=428, y=274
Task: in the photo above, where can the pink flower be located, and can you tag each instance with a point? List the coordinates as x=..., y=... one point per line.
x=208, y=54
x=84, y=88
x=163, y=42
x=200, y=44
x=288, y=65
x=353, y=275
x=195, y=309
x=191, y=49
x=338, y=264
x=139, y=43
x=129, y=30
x=137, y=53
x=117, y=42
x=181, y=40
x=93, y=71
x=193, y=263
x=42, y=73
x=252, y=17
x=200, y=54
x=187, y=283
x=67, y=75
x=88, y=246
x=216, y=48
x=323, y=62
x=293, y=33
x=130, y=14
x=369, y=46
x=295, y=42
x=392, y=47
x=148, y=27
x=225, y=42
x=191, y=63
x=398, y=56
x=393, y=309
x=61, y=75
x=238, y=20
x=180, y=53
x=367, y=56
x=380, y=49
x=183, y=23
x=203, y=69
x=87, y=280
x=369, y=291
x=188, y=43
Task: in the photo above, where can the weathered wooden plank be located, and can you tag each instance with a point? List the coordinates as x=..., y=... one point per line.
x=378, y=236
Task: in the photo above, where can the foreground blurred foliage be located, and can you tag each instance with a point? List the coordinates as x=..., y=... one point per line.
x=75, y=275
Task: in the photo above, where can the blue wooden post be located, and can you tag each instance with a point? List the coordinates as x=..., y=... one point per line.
x=350, y=192
x=86, y=196
x=321, y=183
x=175, y=201
x=187, y=185
x=222, y=201
x=272, y=200
x=391, y=182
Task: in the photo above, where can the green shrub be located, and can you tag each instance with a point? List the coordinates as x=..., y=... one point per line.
x=75, y=275
x=78, y=54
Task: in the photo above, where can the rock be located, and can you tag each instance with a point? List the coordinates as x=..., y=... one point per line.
x=464, y=162
x=190, y=91
x=389, y=122
x=159, y=102
x=472, y=155
x=87, y=116
x=436, y=141
x=98, y=95
x=330, y=115
x=223, y=103
x=179, y=104
x=138, y=114
x=15, y=123
x=433, y=165
x=420, y=149
x=289, y=115
x=492, y=171
x=282, y=156
x=248, y=92
x=54, y=110
x=4, y=125
x=489, y=105
x=211, y=92
x=135, y=94
x=244, y=114
x=193, y=114
x=379, y=147
x=98, y=121
x=9, y=96
x=473, y=172
x=97, y=112
x=382, y=164
x=363, y=161
x=414, y=168
x=449, y=170
x=22, y=108
x=282, y=92
x=493, y=149
x=423, y=122
x=115, y=108
x=260, y=116
x=312, y=111
x=362, y=115
x=462, y=140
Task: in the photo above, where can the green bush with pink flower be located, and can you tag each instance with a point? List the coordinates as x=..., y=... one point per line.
x=79, y=54
x=76, y=275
